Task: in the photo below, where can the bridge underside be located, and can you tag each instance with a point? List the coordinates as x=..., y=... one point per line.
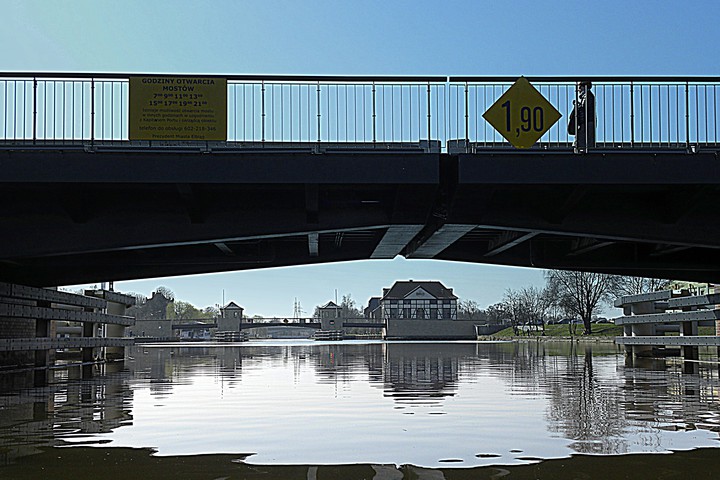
x=71, y=215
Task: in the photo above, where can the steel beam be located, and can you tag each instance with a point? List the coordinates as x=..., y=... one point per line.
x=394, y=240
x=445, y=236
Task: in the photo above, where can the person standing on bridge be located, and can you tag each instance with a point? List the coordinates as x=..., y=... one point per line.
x=582, y=118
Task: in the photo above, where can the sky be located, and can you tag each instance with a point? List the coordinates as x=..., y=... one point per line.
x=482, y=37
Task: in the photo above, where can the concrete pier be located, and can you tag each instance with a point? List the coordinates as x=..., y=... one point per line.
x=37, y=322
x=648, y=317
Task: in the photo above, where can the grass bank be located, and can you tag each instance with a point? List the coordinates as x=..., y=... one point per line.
x=598, y=330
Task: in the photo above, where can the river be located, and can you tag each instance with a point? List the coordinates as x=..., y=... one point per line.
x=364, y=409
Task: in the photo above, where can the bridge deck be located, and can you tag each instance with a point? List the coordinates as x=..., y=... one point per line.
x=401, y=166
x=670, y=317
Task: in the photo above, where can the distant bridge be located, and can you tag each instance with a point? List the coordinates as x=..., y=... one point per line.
x=327, y=169
x=313, y=323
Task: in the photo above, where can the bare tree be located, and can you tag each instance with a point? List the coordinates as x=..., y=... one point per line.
x=582, y=292
x=535, y=303
x=637, y=285
x=514, y=306
x=166, y=292
x=470, y=310
x=140, y=299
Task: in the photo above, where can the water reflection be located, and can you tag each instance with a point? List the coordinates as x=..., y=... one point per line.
x=33, y=419
x=423, y=372
x=425, y=404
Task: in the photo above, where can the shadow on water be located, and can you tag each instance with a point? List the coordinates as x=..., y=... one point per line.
x=599, y=415
x=125, y=463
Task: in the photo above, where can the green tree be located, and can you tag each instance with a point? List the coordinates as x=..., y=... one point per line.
x=349, y=308
x=210, y=312
x=179, y=310
x=498, y=314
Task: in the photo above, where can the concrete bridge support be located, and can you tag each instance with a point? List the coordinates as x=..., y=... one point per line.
x=28, y=318
x=636, y=330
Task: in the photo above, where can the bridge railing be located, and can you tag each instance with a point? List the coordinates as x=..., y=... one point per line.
x=647, y=112
x=337, y=110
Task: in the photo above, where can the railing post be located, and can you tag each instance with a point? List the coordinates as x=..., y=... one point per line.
x=34, y=123
x=687, y=115
x=429, y=116
x=374, y=123
x=319, y=121
x=262, y=111
x=467, y=118
x=92, y=111
x=632, y=114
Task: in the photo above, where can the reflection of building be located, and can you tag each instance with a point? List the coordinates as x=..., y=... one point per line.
x=418, y=300
x=66, y=410
x=416, y=372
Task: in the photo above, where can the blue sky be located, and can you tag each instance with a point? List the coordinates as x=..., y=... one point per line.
x=521, y=37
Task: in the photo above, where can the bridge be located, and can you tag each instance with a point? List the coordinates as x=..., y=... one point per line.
x=326, y=169
x=312, y=323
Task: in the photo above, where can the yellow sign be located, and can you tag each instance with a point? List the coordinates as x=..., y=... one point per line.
x=522, y=115
x=178, y=108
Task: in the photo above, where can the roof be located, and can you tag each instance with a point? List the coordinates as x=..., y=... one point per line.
x=373, y=304
x=330, y=305
x=402, y=289
x=233, y=305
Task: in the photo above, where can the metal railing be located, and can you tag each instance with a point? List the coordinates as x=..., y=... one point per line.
x=357, y=111
x=646, y=112
x=643, y=112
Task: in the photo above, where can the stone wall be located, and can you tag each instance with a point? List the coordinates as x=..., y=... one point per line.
x=431, y=329
x=151, y=328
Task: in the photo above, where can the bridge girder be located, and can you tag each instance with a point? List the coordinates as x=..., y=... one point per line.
x=72, y=216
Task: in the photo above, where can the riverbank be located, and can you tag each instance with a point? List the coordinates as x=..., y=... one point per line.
x=539, y=338
x=601, y=332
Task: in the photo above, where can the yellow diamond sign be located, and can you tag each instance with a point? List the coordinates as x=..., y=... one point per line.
x=522, y=115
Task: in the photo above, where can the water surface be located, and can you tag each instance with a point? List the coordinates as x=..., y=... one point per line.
x=429, y=405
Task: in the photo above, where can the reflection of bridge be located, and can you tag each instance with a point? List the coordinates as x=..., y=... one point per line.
x=325, y=169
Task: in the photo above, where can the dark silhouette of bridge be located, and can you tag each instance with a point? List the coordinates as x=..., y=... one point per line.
x=328, y=169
